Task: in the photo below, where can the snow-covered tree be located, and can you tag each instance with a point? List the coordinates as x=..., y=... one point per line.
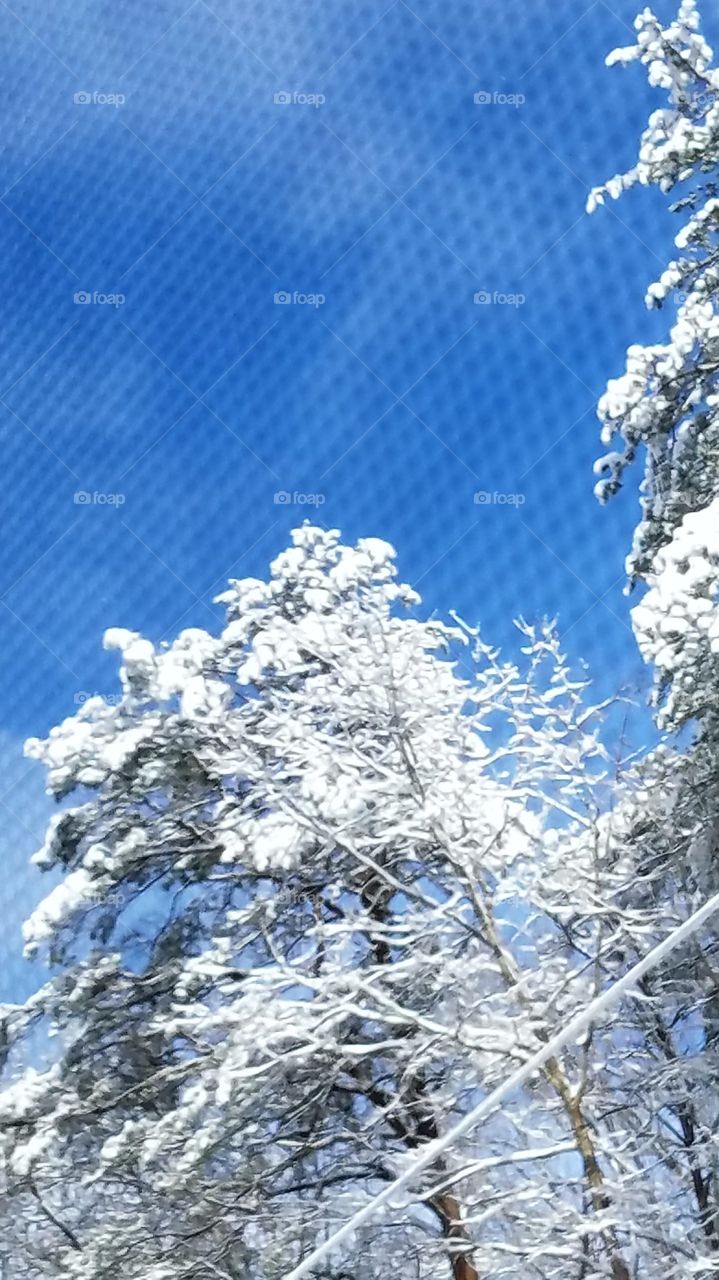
x=666, y=409
x=666, y=404
x=326, y=878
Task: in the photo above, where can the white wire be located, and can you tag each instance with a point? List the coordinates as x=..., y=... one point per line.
x=578, y=1024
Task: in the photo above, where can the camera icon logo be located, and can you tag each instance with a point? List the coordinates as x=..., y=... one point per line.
x=283, y=298
x=82, y=297
x=82, y=98
x=482, y=98
x=282, y=497
x=282, y=98
x=482, y=298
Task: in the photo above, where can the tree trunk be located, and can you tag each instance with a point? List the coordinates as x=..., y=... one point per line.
x=413, y=1118
x=448, y=1210
x=686, y=1115
x=588, y=1155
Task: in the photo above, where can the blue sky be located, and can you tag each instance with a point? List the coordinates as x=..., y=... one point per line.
x=177, y=182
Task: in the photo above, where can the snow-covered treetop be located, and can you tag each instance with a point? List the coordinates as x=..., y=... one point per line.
x=680, y=140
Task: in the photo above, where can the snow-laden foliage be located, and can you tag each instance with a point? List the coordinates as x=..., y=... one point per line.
x=325, y=879
x=666, y=406
x=667, y=402
x=677, y=621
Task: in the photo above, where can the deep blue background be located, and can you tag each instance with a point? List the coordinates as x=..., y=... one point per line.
x=199, y=397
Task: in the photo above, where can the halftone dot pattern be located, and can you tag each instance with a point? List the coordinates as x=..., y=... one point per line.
x=275, y=259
